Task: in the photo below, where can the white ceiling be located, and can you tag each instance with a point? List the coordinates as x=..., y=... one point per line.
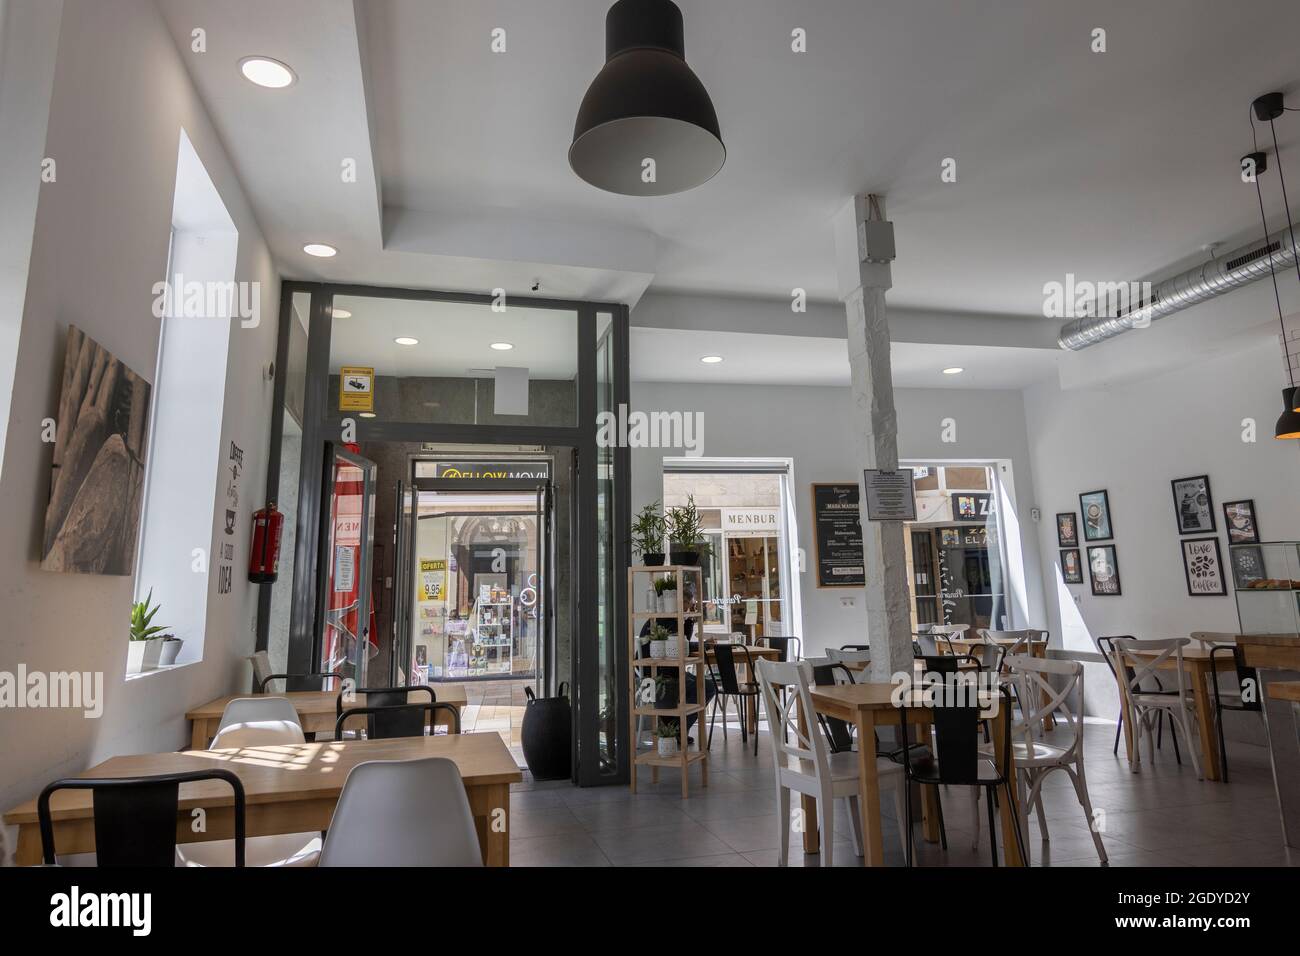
x=1107, y=165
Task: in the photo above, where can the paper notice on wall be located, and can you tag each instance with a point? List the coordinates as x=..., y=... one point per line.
x=345, y=568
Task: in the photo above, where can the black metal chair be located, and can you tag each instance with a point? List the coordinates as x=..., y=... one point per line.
x=1107, y=649
x=135, y=817
x=1248, y=697
x=397, y=720
x=730, y=685
x=294, y=683
x=783, y=644
x=386, y=696
x=957, y=760
x=855, y=647
x=839, y=733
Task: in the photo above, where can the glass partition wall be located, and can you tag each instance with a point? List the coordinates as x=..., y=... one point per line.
x=388, y=380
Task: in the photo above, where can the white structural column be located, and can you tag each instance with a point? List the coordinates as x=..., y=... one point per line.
x=864, y=247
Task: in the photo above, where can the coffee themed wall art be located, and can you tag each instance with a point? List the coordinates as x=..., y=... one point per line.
x=1203, y=565
x=1247, y=565
x=1071, y=566
x=1095, y=508
x=1193, y=506
x=1239, y=519
x=1067, y=530
x=1103, y=569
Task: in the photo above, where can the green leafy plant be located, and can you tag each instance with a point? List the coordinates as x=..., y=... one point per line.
x=686, y=529
x=665, y=584
x=141, y=618
x=659, y=633
x=648, y=530
x=666, y=728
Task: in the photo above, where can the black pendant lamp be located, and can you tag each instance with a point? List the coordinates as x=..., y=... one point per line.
x=646, y=126
x=1288, y=424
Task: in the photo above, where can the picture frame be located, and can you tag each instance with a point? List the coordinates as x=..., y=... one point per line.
x=1203, y=567
x=1103, y=570
x=1067, y=529
x=1193, y=505
x=1071, y=566
x=1094, y=506
x=1239, y=521
x=1247, y=565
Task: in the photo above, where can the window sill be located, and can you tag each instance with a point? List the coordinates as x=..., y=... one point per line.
x=161, y=670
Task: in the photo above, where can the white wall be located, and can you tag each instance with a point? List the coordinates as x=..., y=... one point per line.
x=1133, y=440
x=121, y=96
x=812, y=426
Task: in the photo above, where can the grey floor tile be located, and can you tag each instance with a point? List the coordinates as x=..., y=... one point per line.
x=563, y=849
x=644, y=845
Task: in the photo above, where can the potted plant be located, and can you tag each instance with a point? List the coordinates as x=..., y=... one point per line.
x=648, y=534
x=666, y=590
x=685, y=534
x=146, y=645
x=171, y=647
x=666, y=731
x=658, y=642
x=665, y=692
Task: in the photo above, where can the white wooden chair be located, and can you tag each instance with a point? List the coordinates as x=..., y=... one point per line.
x=1143, y=707
x=804, y=764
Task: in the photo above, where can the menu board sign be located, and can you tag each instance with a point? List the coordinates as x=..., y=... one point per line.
x=837, y=531
x=890, y=496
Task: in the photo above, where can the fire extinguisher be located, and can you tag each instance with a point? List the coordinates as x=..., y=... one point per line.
x=264, y=555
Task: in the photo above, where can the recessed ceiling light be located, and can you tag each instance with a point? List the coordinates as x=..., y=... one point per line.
x=502, y=346
x=406, y=340
x=320, y=250
x=366, y=414
x=342, y=314
x=711, y=359
x=267, y=72
x=954, y=370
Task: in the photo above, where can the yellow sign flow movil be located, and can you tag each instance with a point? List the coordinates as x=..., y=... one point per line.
x=356, y=389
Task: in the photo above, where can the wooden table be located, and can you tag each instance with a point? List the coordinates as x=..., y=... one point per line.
x=1285, y=690
x=1036, y=649
x=867, y=706
x=756, y=653
x=291, y=788
x=1196, y=659
x=316, y=710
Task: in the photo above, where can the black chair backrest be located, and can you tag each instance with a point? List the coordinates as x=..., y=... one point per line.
x=941, y=663
x=783, y=645
x=1247, y=677
x=725, y=661
x=301, y=682
x=838, y=732
x=957, y=735
x=396, y=720
x=386, y=696
x=135, y=817
x=855, y=647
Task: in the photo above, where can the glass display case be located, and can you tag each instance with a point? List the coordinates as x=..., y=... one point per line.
x=1266, y=578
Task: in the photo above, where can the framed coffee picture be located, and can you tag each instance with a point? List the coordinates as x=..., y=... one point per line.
x=1067, y=530
x=1239, y=519
x=1071, y=566
x=1095, y=507
x=1193, y=506
x=1203, y=564
x=1247, y=565
x=1103, y=569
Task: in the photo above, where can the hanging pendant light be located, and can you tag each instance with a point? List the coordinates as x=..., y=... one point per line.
x=1288, y=424
x=646, y=126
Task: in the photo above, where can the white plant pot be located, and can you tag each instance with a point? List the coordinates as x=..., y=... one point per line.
x=152, y=652
x=170, y=650
x=658, y=650
x=672, y=647
x=135, y=656
x=650, y=601
x=668, y=602
x=667, y=746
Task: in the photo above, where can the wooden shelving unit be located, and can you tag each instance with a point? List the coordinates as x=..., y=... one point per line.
x=639, y=579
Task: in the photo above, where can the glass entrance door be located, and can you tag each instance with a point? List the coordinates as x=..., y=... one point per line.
x=346, y=620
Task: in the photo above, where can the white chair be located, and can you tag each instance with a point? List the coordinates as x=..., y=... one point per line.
x=266, y=726
x=1035, y=759
x=403, y=813
x=804, y=763
x=1145, y=707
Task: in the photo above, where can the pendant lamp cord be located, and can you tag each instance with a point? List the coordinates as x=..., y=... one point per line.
x=1277, y=296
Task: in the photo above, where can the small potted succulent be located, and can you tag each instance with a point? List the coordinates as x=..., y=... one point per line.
x=658, y=642
x=685, y=534
x=171, y=647
x=667, y=733
x=146, y=644
x=666, y=590
x=648, y=534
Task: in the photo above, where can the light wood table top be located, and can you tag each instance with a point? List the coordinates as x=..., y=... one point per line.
x=289, y=788
x=1285, y=690
x=999, y=641
x=315, y=702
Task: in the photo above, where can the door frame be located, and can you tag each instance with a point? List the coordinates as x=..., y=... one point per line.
x=321, y=422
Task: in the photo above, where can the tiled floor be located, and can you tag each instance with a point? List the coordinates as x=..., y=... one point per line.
x=496, y=705
x=1162, y=816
